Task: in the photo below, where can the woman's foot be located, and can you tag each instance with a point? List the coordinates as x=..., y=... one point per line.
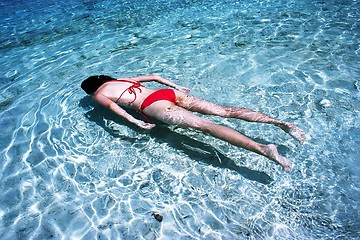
x=294, y=131
x=272, y=153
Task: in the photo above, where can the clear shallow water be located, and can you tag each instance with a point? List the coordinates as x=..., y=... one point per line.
x=70, y=169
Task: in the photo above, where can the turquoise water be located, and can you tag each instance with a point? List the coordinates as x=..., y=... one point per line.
x=72, y=170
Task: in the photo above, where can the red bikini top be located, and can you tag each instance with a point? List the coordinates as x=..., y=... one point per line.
x=135, y=85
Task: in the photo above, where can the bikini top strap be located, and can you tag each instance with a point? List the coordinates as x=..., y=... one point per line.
x=135, y=85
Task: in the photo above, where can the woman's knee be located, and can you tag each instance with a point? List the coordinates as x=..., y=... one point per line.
x=225, y=111
x=205, y=125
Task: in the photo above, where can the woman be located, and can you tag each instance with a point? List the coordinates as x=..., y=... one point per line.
x=175, y=106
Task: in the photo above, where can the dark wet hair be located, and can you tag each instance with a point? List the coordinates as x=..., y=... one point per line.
x=91, y=84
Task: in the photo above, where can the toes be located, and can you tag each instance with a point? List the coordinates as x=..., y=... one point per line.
x=285, y=163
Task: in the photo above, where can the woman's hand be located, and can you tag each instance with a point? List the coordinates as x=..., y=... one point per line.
x=162, y=80
x=145, y=125
x=183, y=89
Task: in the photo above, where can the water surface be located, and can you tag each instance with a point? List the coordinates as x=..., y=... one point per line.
x=70, y=169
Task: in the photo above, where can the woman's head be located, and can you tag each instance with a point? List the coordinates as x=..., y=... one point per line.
x=91, y=84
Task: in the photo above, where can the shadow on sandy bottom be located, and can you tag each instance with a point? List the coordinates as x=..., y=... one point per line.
x=194, y=149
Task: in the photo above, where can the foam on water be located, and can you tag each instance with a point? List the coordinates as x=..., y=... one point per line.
x=71, y=169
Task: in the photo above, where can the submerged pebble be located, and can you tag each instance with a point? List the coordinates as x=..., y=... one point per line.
x=158, y=217
x=325, y=103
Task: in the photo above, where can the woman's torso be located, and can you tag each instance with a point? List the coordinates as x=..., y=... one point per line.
x=125, y=93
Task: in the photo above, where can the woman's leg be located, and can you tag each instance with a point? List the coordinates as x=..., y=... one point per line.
x=181, y=117
x=206, y=107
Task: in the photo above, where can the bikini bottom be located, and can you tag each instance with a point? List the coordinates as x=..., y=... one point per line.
x=161, y=94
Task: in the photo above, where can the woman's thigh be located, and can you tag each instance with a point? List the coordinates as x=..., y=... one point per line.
x=170, y=113
x=200, y=105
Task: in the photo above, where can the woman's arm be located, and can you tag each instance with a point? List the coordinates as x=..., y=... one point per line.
x=106, y=102
x=161, y=80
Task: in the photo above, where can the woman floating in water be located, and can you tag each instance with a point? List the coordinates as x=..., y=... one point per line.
x=175, y=106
